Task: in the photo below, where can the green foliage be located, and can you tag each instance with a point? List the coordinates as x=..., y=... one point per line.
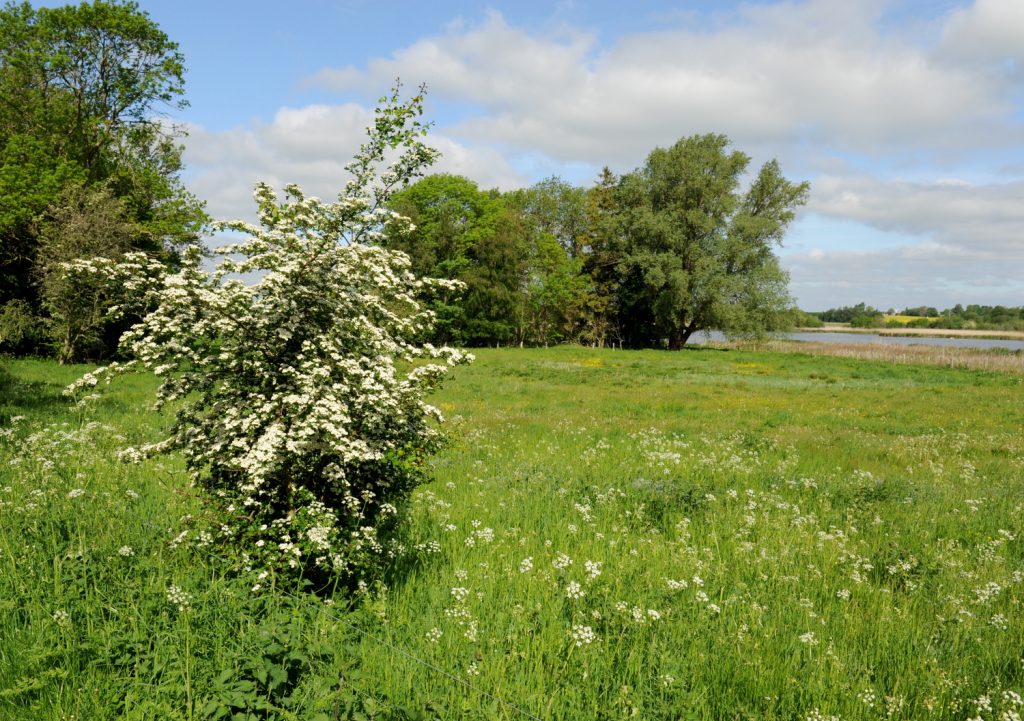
x=802, y=319
x=979, y=317
x=466, y=234
x=876, y=320
x=846, y=314
x=30, y=181
x=661, y=253
x=555, y=209
x=78, y=89
x=695, y=252
x=519, y=256
x=84, y=223
x=272, y=659
x=598, y=316
x=973, y=317
x=556, y=292
x=85, y=75
x=20, y=329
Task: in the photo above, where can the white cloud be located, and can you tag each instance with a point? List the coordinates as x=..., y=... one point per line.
x=982, y=222
x=986, y=30
x=970, y=246
x=309, y=146
x=777, y=76
x=906, y=276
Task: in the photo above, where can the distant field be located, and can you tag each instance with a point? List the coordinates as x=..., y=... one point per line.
x=707, y=534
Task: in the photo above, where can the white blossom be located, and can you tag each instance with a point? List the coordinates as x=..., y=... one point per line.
x=306, y=385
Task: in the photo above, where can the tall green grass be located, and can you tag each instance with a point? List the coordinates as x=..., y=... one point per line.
x=697, y=535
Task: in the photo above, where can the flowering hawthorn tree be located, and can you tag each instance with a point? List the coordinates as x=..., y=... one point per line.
x=301, y=395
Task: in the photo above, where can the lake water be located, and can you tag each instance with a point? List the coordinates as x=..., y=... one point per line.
x=887, y=339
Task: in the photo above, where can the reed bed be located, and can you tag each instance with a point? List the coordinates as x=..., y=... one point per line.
x=985, y=359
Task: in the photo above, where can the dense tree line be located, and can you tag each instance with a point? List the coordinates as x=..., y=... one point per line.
x=979, y=317
x=970, y=317
x=645, y=259
x=847, y=313
x=87, y=167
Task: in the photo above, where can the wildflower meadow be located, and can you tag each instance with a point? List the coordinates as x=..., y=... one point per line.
x=607, y=534
x=284, y=489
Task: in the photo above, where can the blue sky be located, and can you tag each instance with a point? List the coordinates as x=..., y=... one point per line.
x=907, y=116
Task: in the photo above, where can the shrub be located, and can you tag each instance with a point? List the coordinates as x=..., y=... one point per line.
x=803, y=319
x=20, y=329
x=867, y=321
x=299, y=396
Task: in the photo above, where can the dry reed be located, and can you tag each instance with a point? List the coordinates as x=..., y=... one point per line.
x=994, y=360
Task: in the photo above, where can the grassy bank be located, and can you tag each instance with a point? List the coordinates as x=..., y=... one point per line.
x=706, y=534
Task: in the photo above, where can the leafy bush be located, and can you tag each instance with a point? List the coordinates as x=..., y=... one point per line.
x=803, y=319
x=19, y=327
x=299, y=396
x=868, y=321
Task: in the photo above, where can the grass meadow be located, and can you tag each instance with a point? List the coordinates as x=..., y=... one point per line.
x=707, y=534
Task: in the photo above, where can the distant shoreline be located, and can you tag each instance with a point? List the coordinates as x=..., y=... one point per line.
x=911, y=332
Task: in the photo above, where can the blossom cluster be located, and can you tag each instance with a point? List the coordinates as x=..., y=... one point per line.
x=299, y=396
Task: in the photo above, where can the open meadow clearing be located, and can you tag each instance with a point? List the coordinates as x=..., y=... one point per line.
x=704, y=534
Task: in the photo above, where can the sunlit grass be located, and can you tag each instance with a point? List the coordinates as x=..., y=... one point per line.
x=769, y=536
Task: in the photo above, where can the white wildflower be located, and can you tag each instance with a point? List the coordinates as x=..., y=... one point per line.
x=179, y=598
x=561, y=562
x=583, y=635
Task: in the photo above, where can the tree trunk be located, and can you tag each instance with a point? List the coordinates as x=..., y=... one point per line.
x=679, y=336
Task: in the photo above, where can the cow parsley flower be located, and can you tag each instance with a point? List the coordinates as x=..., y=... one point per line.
x=574, y=591
x=582, y=635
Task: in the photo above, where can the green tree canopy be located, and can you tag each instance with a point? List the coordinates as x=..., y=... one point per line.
x=80, y=89
x=466, y=234
x=557, y=208
x=694, y=251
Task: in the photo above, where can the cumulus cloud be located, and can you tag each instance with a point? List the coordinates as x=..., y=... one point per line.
x=970, y=245
x=778, y=76
x=987, y=30
x=984, y=222
x=925, y=274
x=309, y=146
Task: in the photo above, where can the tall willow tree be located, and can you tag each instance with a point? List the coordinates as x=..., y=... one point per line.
x=694, y=251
